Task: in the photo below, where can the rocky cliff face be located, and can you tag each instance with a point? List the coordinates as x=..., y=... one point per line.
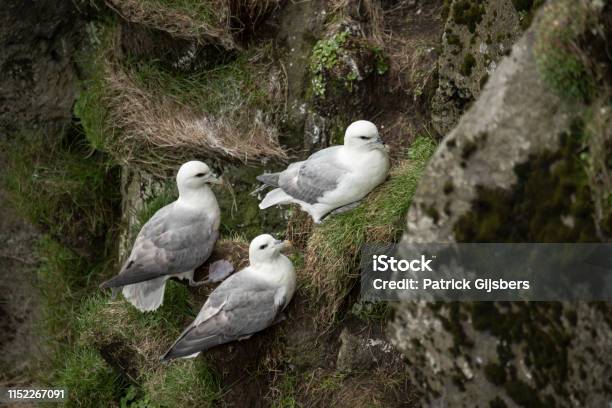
x=38, y=71
x=518, y=167
x=521, y=117
x=38, y=83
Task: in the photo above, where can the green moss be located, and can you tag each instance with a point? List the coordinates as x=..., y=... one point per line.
x=324, y=57
x=382, y=65
x=330, y=72
x=454, y=40
x=337, y=129
x=101, y=321
x=134, y=398
x=64, y=186
x=90, y=381
x=524, y=395
x=469, y=62
x=560, y=60
x=90, y=107
x=240, y=209
x=72, y=192
x=538, y=329
x=183, y=383
x=497, y=402
x=134, y=341
x=454, y=325
x=332, y=382
x=468, y=13
x=495, y=373
x=522, y=5
x=445, y=9
x=372, y=311
x=287, y=391
x=550, y=186
x=62, y=278
x=526, y=10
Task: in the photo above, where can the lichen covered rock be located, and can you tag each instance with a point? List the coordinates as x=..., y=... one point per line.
x=476, y=35
x=362, y=353
x=518, y=167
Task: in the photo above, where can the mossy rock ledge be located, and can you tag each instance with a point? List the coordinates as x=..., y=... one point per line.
x=517, y=164
x=476, y=36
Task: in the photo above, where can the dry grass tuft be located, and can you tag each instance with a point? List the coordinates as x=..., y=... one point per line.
x=332, y=253
x=169, y=132
x=216, y=21
x=330, y=388
x=151, y=117
x=299, y=228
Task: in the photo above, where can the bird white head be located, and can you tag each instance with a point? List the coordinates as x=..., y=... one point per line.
x=265, y=248
x=363, y=134
x=193, y=175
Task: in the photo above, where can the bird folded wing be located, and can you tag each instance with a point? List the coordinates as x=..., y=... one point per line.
x=315, y=177
x=161, y=251
x=241, y=313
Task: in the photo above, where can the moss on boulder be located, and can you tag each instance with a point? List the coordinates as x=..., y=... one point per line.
x=476, y=35
x=518, y=167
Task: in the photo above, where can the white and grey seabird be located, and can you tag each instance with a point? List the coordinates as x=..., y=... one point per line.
x=174, y=242
x=336, y=178
x=245, y=303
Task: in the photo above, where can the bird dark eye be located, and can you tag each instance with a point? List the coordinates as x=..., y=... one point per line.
x=200, y=174
x=264, y=246
x=363, y=137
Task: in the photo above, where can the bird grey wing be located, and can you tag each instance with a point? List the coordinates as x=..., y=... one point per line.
x=157, y=224
x=251, y=309
x=241, y=314
x=294, y=168
x=168, y=252
x=272, y=179
x=313, y=178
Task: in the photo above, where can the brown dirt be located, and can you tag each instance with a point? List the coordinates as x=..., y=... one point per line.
x=409, y=29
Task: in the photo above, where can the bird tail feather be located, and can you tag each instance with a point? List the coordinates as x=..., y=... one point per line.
x=275, y=197
x=181, y=349
x=146, y=296
x=269, y=179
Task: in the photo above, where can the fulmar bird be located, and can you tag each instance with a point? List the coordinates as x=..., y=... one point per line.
x=245, y=303
x=174, y=242
x=335, y=178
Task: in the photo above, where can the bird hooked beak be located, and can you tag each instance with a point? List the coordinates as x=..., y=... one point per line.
x=280, y=245
x=380, y=144
x=214, y=179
